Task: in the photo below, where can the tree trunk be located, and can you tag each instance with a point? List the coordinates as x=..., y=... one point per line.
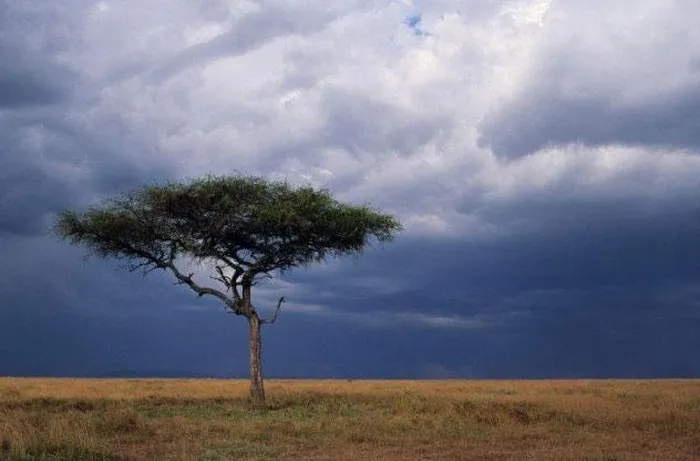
x=257, y=391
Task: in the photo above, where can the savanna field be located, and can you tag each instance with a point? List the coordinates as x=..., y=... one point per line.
x=209, y=420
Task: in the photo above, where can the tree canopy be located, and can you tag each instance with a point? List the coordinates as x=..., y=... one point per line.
x=244, y=224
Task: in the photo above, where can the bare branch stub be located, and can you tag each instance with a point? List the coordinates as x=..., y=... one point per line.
x=272, y=319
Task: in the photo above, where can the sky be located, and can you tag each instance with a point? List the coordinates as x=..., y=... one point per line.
x=543, y=156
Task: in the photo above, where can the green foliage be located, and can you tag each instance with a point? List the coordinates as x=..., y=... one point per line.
x=251, y=223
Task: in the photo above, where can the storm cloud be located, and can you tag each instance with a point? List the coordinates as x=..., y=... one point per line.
x=542, y=156
x=603, y=75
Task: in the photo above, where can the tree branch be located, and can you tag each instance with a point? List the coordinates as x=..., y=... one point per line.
x=235, y=263
x=237, y=273
x=272, y=319
x=266, y=275
x=222, y=278
x=147, y=266
x=202, y=290
x=182, y=279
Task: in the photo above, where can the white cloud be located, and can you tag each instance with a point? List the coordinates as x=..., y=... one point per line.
x=347, y=96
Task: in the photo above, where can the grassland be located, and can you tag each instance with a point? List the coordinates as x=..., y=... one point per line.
x=208, y=420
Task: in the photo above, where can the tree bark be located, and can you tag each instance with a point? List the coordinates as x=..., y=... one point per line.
x=257, y=391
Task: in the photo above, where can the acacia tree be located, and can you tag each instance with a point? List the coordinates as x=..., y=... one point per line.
x=243, y=228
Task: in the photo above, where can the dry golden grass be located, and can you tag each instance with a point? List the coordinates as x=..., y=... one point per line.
x=85, y=419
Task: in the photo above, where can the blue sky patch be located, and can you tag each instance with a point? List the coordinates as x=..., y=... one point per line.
x=414, y=22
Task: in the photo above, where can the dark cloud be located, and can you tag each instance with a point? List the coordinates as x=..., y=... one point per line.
x=245, y=34
x=46, y=153
x=547, y=241
x=612, y=82
x=29, y=73
x=28, y=193
x=57, y=340
x=569, y=335
x=26, y=198
x=607, y=302
x=26, y=87
x=48, y=164
x=361, y=125
x=546, y=117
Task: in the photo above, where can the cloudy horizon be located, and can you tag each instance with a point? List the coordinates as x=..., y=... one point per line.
x=543, y=156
